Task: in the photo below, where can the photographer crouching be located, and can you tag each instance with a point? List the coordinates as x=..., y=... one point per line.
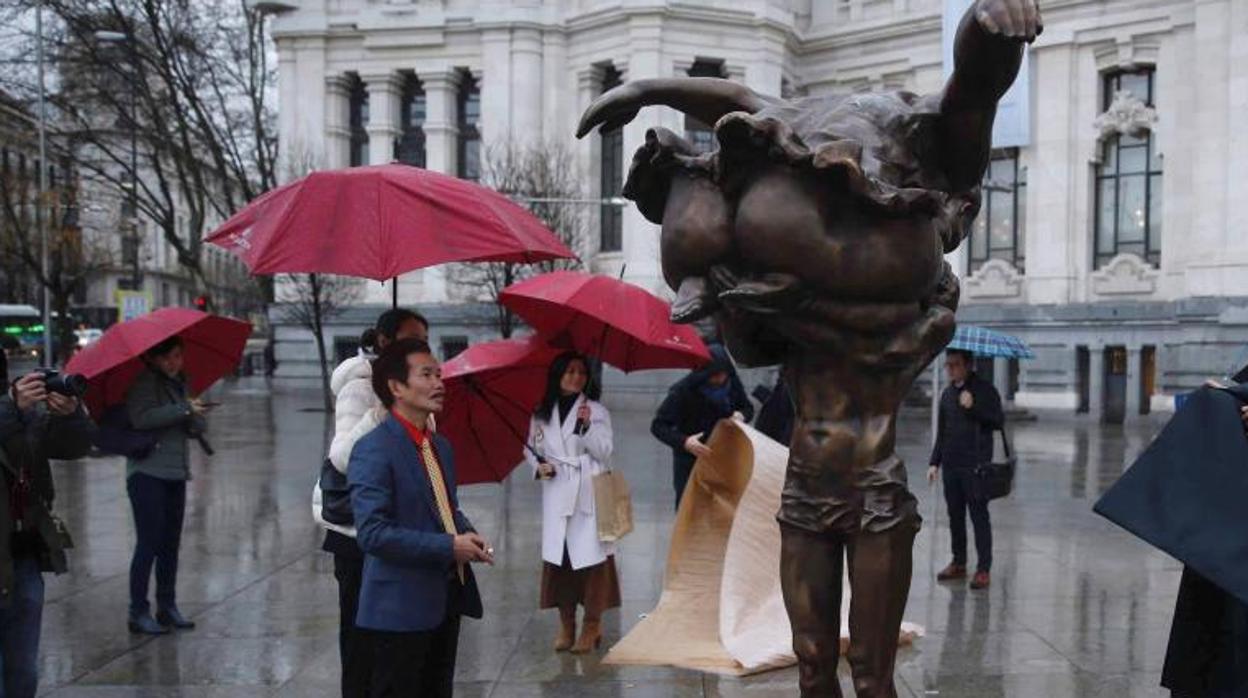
x=41, y=418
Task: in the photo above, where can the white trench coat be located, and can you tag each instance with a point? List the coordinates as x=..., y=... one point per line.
x=568, y=499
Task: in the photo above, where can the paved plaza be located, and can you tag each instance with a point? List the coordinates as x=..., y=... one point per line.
x=1077, y=608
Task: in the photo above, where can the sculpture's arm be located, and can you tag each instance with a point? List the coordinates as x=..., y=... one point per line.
x=987, y=52
x=705, y=99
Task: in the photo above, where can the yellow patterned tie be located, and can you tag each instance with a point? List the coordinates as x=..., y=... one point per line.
x=434, y=470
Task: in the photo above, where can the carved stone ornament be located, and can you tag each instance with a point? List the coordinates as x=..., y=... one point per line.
x=996, y=279
x=1125, y=275
x=1127, y=115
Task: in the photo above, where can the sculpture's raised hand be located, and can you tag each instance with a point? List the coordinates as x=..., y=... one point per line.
x=1017, y=19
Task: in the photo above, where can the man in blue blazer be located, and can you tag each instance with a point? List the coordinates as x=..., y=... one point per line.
x=417, y=543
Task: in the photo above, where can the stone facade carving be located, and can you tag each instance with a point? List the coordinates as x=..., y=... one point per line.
x=1125, y=275
x=997, y=279
x=1127, y=115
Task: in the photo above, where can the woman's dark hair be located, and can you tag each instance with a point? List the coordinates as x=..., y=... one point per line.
x=554, y=377
x=388, y=325
x=968, y=358
x=392, y=365
x=163, y=348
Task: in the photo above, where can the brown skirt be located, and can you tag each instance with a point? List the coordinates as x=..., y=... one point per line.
x=597, y=588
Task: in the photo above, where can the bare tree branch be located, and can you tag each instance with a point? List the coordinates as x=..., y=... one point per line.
x=544, y=178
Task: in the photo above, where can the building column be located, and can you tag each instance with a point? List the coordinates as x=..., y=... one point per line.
x=588, y=152
x=526, y=85
x=1001, y=377
x=1096, y=381
x=384, y=90
x=1133, y=382
x=496, y=116
x=641, y=237
x=337, y=123
x=441, y=119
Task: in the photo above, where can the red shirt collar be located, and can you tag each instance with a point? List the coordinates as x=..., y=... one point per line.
x=417, y=434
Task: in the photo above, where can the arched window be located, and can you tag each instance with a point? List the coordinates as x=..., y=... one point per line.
x=701, y=135
x=469, y=103
x=1128, y=180
x=357, y=119
x=611, y=177
x=410, y=146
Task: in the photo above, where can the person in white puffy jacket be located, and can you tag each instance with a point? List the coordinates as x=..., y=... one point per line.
x=571, y=441
x=357, y=410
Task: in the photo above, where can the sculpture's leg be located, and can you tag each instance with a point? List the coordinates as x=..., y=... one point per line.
x=811, y=566
x=880, y=564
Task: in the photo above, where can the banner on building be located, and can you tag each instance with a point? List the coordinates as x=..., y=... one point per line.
x=1012, y=127
x=132, y=304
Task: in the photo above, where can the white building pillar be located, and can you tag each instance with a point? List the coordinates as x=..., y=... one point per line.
x=526, y=86
x=337, y=125
x=496, y=104
x=765, y=71
x=559, y=110
x=1051, y=181
x=1211, y=73
x=641, y=237
x=1001, y=377
x=1133, y=382
x=1096, y=381
x=441, y=119
x=383, y=115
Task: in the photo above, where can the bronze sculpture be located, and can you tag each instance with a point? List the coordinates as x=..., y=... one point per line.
x=815, y=234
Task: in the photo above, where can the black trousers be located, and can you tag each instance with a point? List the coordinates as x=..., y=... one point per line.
x=354, y=645
x=962, y=494
x=415, y=665
x=159, y=508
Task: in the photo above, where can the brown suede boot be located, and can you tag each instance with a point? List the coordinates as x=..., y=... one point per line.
x=567, y=629
x=591, y=637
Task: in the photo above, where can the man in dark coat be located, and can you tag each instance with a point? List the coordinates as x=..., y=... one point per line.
x=35, y=425
x=970, y=412
x=692, y=408
x=1185, y=495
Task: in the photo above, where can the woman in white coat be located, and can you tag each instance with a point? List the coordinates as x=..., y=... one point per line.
x=570, y=441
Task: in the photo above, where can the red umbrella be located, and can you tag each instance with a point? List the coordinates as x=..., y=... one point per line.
x=381, y=221
x=615, y=321
x=213, y=346
x=491, y=391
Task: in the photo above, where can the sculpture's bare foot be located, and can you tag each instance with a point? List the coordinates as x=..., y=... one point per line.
x=694, y=301
x=767, y=294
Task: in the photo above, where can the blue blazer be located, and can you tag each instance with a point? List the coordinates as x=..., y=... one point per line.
x=408, y=556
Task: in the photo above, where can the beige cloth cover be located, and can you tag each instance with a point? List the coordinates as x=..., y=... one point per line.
x=721, y=610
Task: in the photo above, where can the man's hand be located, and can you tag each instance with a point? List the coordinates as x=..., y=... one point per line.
x=933, y=472
x=966, y=400
x=29, y=390
x=696, y=448
x=198, y=407
x=1016, y=19
x=470, y=547
x=62, y=405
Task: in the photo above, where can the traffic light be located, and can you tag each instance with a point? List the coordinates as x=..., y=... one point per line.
x=203, y=302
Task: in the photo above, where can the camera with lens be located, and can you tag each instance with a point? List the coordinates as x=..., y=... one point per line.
x=67, y=384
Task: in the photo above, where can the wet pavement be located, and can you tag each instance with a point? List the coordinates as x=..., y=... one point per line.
x=1077, y=608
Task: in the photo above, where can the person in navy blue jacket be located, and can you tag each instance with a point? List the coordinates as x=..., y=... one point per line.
x=418, y=545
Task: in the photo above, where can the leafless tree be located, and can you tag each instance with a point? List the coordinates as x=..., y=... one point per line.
x=544, y=178
x=193, y=82
x=309, y=300
x=72, y=258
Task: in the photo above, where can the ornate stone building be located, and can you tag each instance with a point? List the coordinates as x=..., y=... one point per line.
x=1107, y=237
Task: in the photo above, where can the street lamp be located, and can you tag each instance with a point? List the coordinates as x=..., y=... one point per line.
x=132, y=222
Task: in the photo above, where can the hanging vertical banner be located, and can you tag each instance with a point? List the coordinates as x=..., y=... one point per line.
x=1012, y=127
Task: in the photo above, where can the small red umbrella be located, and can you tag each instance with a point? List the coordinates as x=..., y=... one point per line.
x=491, y=391
x=381, y=221
x=612, y=320
x=213, y=346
